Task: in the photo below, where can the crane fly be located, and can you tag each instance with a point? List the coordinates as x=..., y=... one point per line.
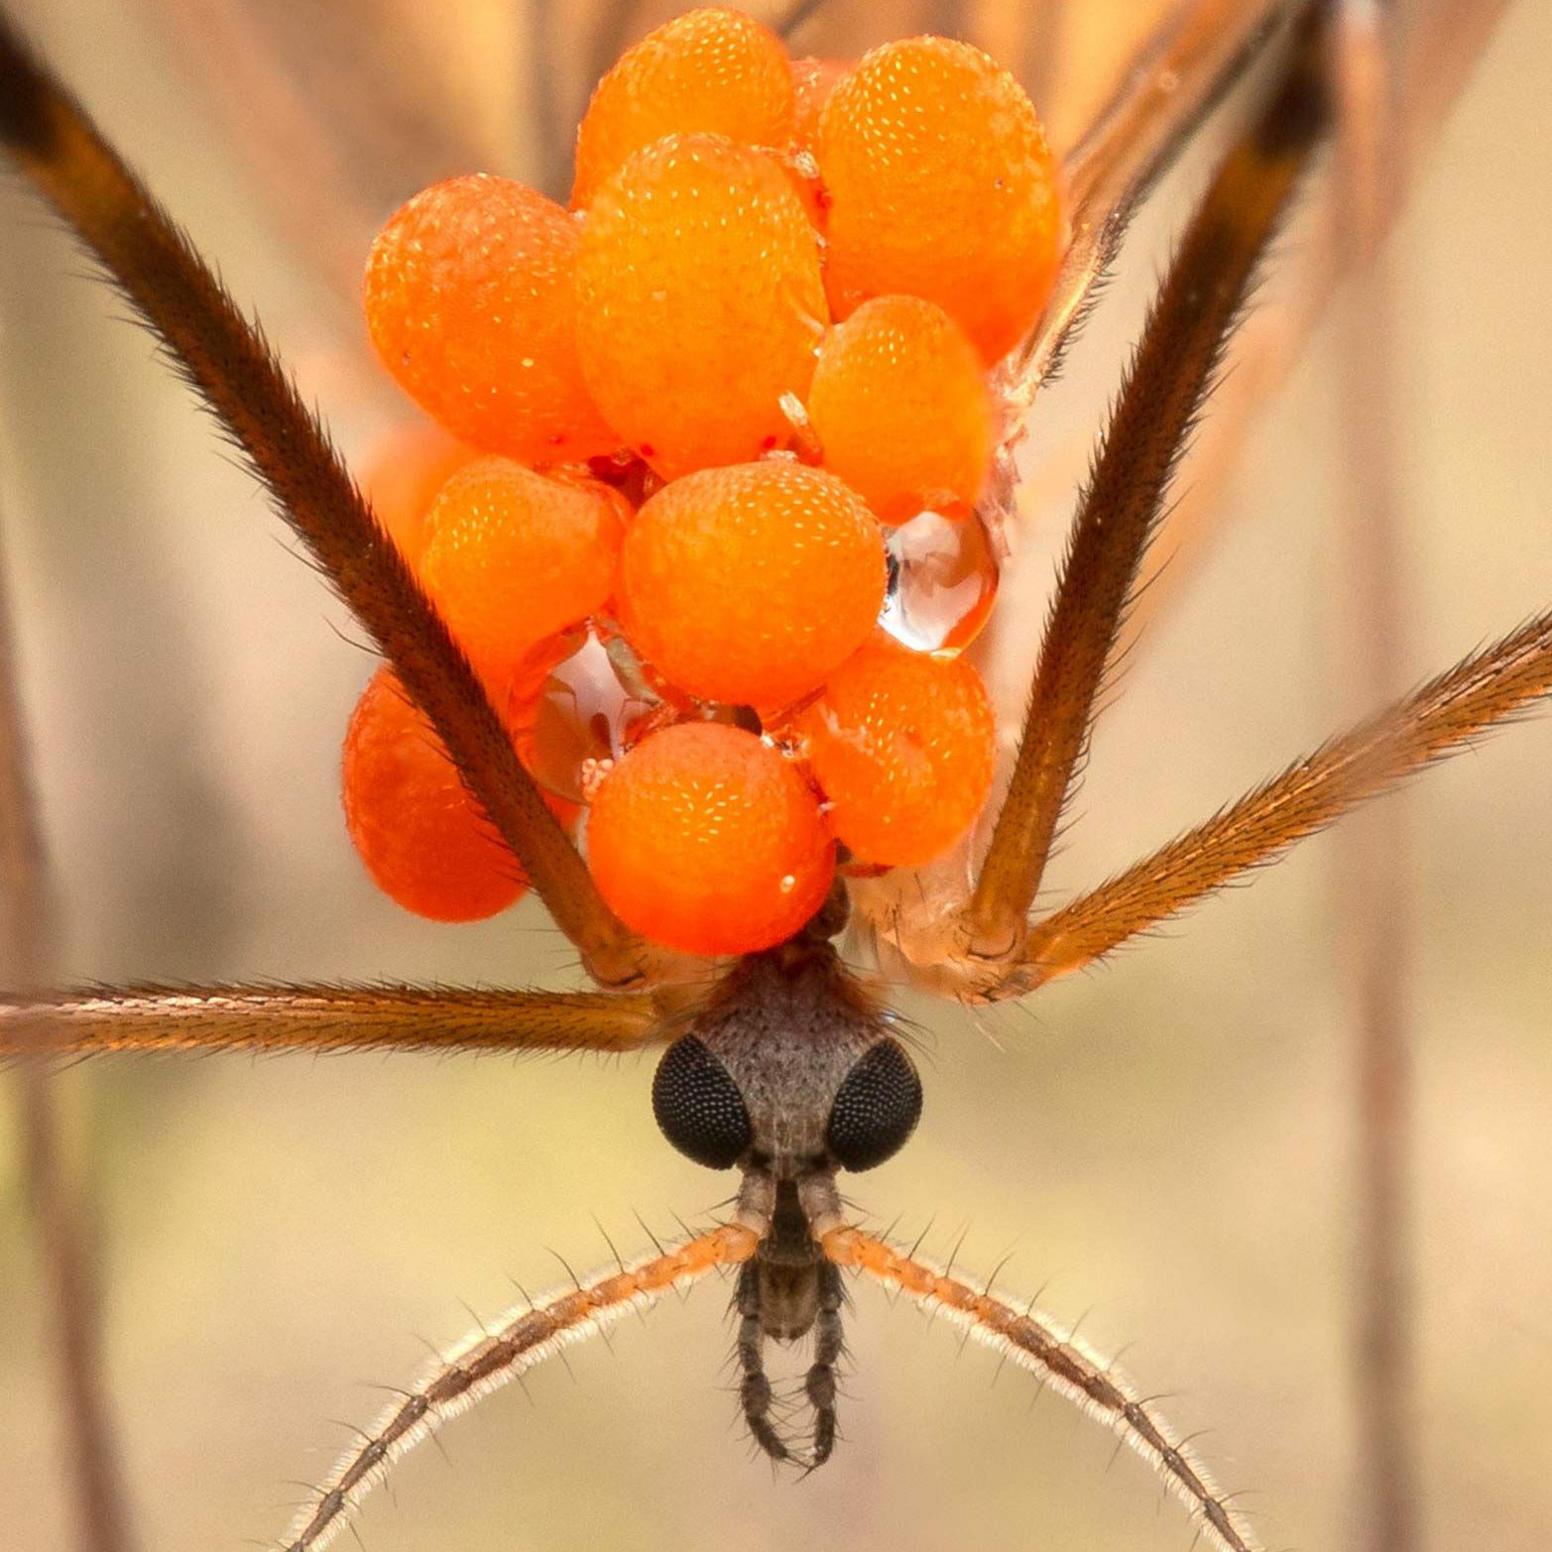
x=789, y=1068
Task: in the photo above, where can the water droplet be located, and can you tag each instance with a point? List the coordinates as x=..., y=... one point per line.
x=942, y=581
x=584, y=718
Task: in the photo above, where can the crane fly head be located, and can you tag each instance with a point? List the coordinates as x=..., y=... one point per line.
x=789, y=1072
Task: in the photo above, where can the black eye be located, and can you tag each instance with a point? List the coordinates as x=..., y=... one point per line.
x=876, y=1107
x=698, y=1106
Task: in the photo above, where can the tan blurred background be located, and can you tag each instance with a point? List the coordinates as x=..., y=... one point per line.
x=1167, y=1146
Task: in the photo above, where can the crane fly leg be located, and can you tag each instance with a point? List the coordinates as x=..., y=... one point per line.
x=228, y=361
x=1180, y=353
x=55, y=1197
x=329, y=1018
x=1447, y=715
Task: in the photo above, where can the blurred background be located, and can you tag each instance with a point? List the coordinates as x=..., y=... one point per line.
x=1166, y=1146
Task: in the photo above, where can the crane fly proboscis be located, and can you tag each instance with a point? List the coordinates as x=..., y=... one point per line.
x=1169, y=1142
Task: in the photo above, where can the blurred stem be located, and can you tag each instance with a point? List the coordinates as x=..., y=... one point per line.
x=53, y=1196
x=1373, y=905
x=1044, y=40
x=543, y=108
x=945, y=18
x=797, y=15
x=610, y=33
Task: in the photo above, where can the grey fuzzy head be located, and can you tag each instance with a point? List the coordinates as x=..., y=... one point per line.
x=788, y=1070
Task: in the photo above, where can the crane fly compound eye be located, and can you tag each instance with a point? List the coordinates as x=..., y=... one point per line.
x=876, y=1107
x=698, y=1105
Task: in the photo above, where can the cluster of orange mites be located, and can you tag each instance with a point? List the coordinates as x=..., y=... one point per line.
x=693, y=414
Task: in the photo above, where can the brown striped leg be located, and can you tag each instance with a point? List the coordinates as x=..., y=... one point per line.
x=1163, y=94
x=225, y=357
x=329, y=1018
x=1037, y=1343
x=1181, y=350
x=1447, y=715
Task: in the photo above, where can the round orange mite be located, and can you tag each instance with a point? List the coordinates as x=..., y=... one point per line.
x=706, y=839
x=941, y=185
x=701, y=302
x=709, y=70
x=471, y=304
x=901, y=409
x=423, y=838
x=512, y=558
x=903, y=746
x=750, y=584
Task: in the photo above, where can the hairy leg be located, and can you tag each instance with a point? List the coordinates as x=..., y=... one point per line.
x=1448, y=714
x=330, y=1018
x=226, y=358
x=1181, y=351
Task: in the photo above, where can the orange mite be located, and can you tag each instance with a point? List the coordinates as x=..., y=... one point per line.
x=424, y=840
x=708, y=840
x=750, y=584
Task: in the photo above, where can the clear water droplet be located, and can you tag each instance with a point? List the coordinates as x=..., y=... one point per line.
x=586, y=716
x=942, y=581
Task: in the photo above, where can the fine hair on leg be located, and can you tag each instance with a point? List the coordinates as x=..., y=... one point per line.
x=226, y=358
x=326, y=1017
x=490, y=1357
x=1036, y=1342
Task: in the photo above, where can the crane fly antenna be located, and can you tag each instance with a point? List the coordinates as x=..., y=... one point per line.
x=1036, y=1342
x=490, y=1357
